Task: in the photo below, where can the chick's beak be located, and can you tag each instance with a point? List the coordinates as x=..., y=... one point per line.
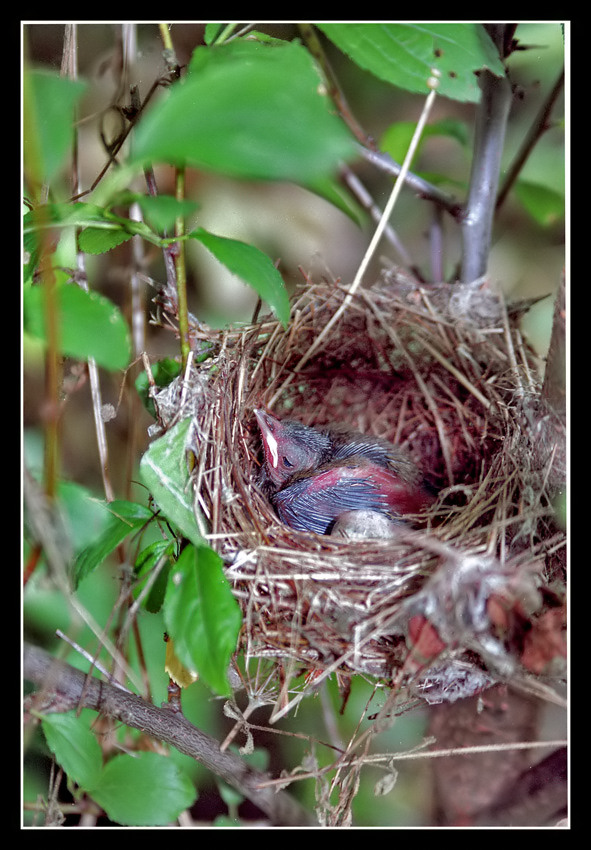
x=267, y=424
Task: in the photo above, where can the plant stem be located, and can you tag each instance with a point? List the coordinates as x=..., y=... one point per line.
x=71, y=53
x=476, y=226
x=53, y=379
x=176, y=252
x=181, y=272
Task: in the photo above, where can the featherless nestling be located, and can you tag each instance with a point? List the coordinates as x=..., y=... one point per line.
x=314, y=475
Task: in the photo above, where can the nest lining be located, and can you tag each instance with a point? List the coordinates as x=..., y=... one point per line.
x=401, y=365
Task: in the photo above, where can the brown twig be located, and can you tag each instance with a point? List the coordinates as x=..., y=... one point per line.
x=539, y=126
x=74, y=688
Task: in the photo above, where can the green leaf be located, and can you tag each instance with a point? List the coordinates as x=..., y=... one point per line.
x=101, y=231
x=89, y=325
x=74, y=746
x=202, y=616
x=165, y=472
x=252, y=266
x=545, y=205
x=122, y=518
x=406, y=54
x=83, y=513
x=396, y=139
x=53, y=218
x=213, y=31
x=143, y=790
x=159, y=211
x=94, y=240
x=49, y=102
x=248, y=109
x=334, y=192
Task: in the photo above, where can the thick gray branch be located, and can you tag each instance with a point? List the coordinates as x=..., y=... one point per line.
x=491, y=122
x=72, y=687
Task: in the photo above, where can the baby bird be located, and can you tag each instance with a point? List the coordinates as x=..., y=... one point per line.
x=314, y=475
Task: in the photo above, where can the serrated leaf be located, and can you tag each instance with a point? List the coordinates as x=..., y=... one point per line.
x=250, y=265
x=143, y=790
x=95, y=240
x=122, y=518
x=165, y=472
x=101, y=230
x=406, y=54
x=75, y=747
x=248, y=109
x=202, y=616
x=90, y=325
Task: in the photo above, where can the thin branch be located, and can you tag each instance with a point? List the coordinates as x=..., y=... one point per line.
x=539, y=126
x=421, y=187
x=359, y=191
x=335, y=92
x=75, y=688
x=368, y=148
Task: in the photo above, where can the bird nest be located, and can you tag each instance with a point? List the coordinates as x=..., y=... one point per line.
x=471, y=595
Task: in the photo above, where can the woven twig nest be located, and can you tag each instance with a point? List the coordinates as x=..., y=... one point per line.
x=447, y=379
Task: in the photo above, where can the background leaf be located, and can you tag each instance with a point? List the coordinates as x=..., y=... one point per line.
x=90, y=325
x=160, y=211
x=143, y=790
x=122, y=518
x=147, y=561
x=543, y=203
x=248, y=109
x=74, y=746
x=396, y=139
x=49, y=102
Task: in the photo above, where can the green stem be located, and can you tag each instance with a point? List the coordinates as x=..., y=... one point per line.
x=177, y=250
x=165, y=36
x=53, y=379
x=181, y=271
